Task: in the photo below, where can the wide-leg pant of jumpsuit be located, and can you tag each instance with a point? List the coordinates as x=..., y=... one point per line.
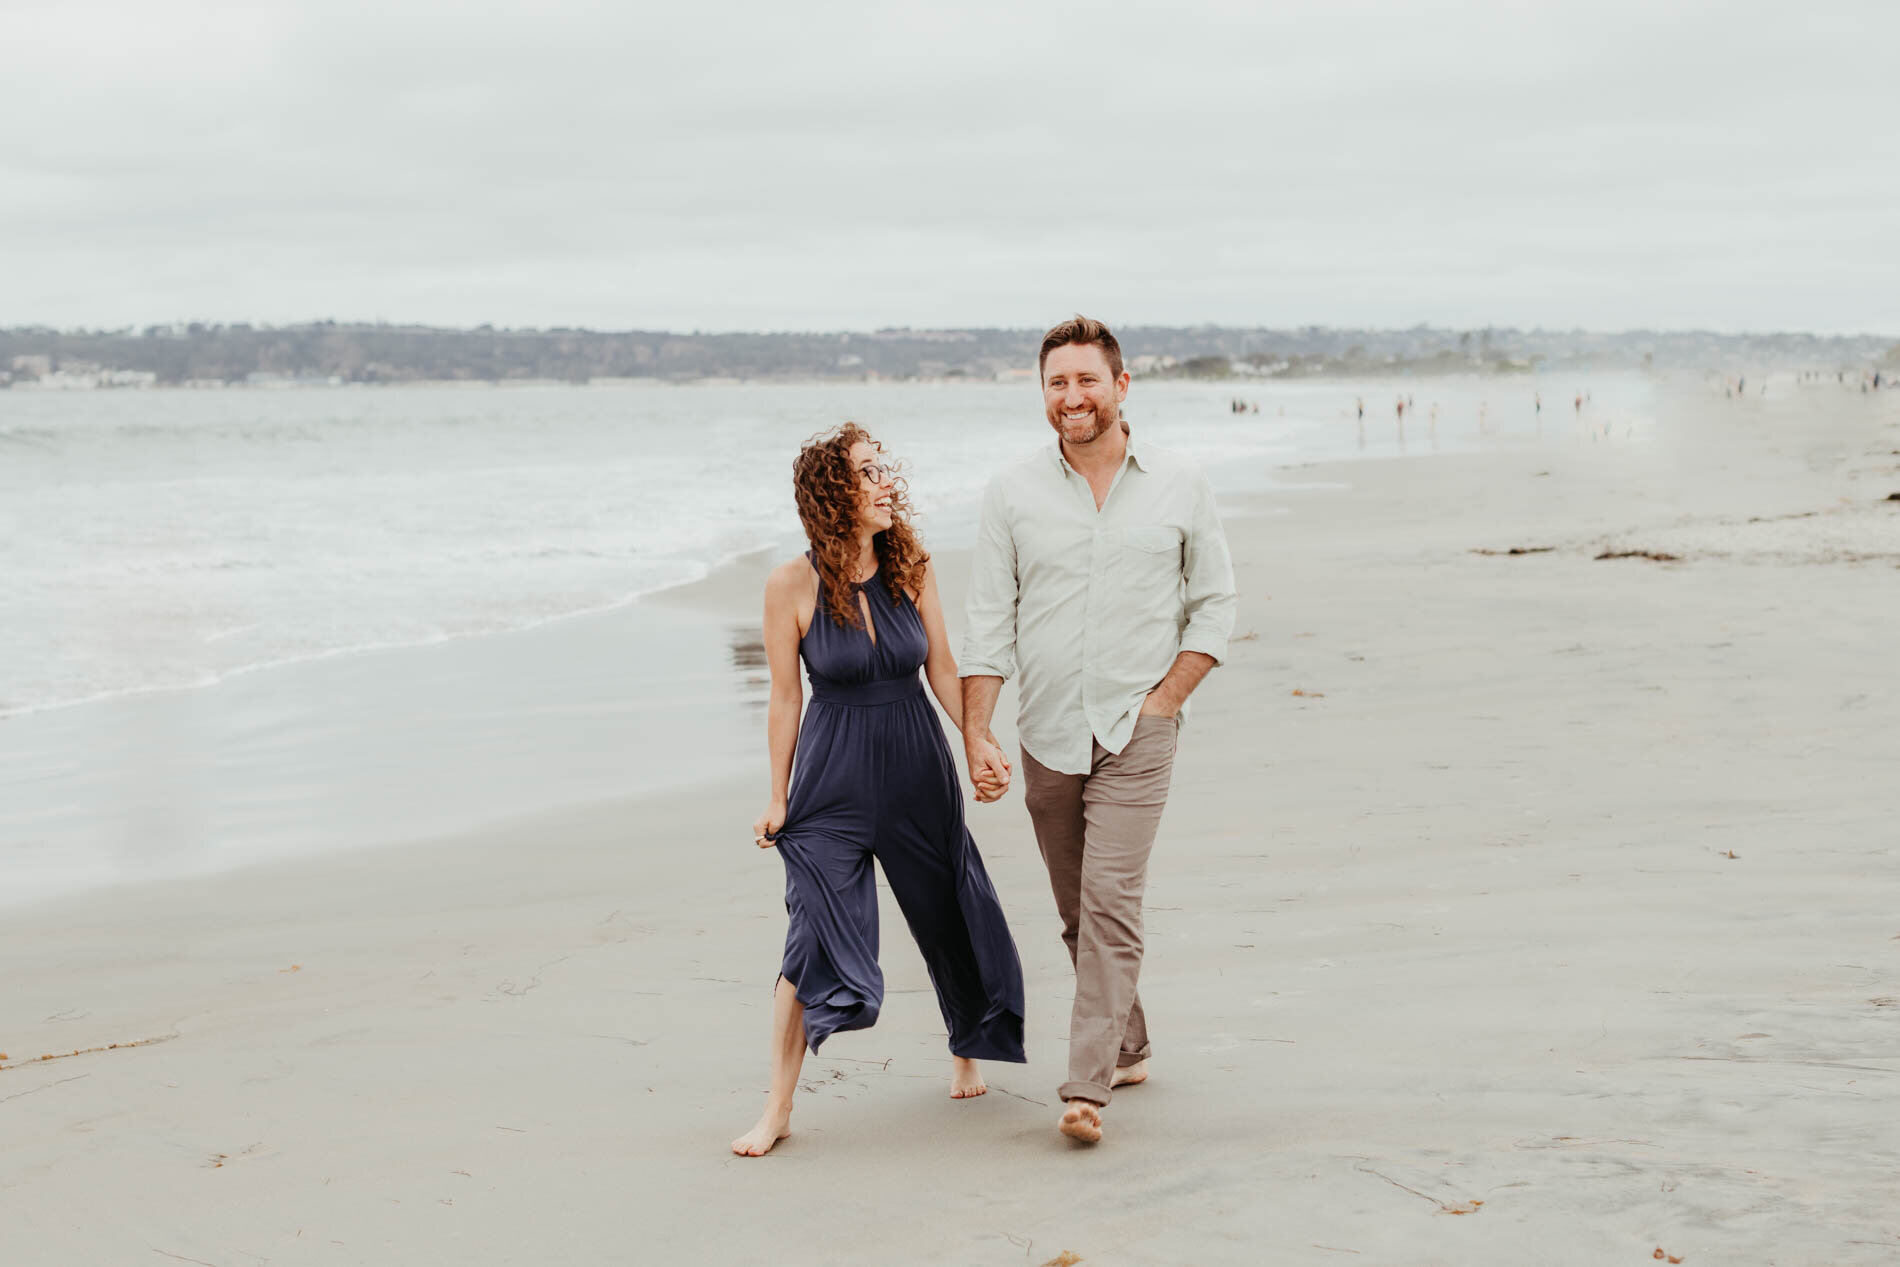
x=874, y=779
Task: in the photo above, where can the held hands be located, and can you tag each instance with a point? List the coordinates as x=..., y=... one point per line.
x=989, y=768
x=767, y=825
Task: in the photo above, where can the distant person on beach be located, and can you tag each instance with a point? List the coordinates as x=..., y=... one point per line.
x=1101, y=573
x=873, y=779
x=1360, y=401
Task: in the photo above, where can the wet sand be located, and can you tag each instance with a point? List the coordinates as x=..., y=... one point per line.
x=1510, y=907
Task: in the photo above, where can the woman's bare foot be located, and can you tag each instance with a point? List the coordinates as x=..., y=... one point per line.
x=1128, y=1077
x=1082, y=1120
x=966, y=1080
x=774, y=1126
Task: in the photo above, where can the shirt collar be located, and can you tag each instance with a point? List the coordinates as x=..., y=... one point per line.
x=1133, y=454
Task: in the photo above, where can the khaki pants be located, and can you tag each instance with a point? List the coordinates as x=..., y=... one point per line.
x=1095, y=831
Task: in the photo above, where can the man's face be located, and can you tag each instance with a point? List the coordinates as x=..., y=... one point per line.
x=1079, y=394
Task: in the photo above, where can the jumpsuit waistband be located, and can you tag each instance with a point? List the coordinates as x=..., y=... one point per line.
x=865, y=694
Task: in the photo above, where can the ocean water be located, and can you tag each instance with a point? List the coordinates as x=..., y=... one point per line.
x=154, y=540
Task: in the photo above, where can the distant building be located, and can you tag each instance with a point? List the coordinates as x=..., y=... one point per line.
x=61, y=381
x=83, y=376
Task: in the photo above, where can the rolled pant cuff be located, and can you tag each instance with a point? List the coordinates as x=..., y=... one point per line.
x=1127, y=1058
x=1085, y=1091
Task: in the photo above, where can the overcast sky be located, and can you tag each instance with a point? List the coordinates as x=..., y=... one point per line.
x=788, y=165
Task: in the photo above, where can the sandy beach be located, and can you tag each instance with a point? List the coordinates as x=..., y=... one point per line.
x=1513, y=904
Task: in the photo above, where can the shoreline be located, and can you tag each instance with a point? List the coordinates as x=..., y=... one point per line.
x=657, y=594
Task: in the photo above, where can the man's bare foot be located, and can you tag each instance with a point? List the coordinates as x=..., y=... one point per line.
x=758, y=1141
x=1128, y=1077
x=1082, y=1120
x=966, y=1080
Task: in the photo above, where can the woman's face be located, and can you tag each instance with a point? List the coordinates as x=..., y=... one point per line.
x=875, y=486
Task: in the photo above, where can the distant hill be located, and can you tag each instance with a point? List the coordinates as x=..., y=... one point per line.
x=327, y=351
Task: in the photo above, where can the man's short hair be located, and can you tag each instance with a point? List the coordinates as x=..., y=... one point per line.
x=1084, y=330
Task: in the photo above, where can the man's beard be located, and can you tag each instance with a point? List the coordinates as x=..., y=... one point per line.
x=1097, y=427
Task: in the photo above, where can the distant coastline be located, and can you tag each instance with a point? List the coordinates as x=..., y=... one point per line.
x=332, y=354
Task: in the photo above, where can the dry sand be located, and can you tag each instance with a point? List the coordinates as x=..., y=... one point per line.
x=1510, y=908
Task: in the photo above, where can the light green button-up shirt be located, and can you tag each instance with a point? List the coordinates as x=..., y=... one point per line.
x=1093, y=606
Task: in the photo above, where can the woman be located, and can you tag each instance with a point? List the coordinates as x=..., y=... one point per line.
x=873, y=779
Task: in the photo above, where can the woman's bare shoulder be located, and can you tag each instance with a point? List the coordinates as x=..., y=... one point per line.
x=791, y=578
x=794, y=571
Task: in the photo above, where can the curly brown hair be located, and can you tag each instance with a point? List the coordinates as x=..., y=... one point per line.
x=829, y=492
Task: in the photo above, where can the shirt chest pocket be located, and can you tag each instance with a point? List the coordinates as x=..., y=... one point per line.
x=1151, y=554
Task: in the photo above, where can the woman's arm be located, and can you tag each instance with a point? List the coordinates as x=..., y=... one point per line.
x=783, y=591
x=940, y=664
x=940, y=668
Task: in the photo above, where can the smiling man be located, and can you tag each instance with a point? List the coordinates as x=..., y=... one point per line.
x=1101, y=576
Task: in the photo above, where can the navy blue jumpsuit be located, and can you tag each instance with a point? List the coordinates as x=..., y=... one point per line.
x=873, y=778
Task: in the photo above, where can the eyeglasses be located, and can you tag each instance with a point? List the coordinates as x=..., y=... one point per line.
x=878, y=473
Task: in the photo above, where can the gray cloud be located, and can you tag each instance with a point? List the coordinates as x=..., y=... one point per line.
x=770, y=166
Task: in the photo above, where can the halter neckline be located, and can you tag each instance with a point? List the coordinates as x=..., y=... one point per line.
x=875, y=572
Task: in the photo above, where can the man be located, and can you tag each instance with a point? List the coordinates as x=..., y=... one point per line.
x=1102, y=575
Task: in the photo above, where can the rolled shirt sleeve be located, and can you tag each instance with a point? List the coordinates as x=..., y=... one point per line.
x=989, y=637
x=1210, y=600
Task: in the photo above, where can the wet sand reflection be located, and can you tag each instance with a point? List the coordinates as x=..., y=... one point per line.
x=746, y=646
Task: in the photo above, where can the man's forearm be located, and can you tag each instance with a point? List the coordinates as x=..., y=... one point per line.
x=979, y=704
x=1184, y=675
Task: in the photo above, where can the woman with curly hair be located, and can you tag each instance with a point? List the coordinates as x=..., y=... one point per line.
x=873, y=779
